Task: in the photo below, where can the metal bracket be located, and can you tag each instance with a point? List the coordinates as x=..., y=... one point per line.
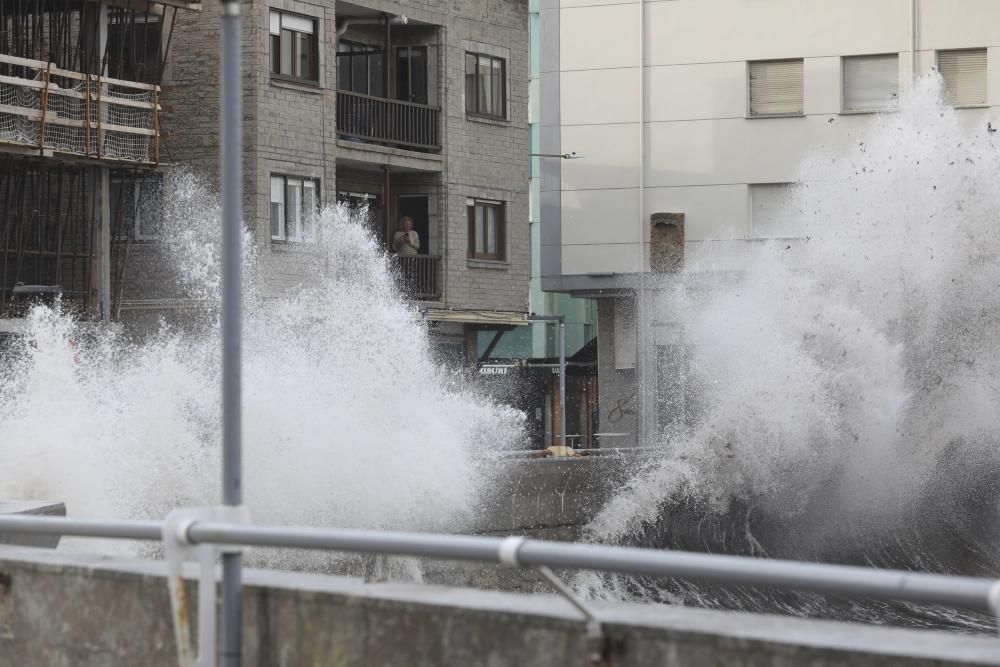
x=993, y=598
x=179, y=548
x=596, y=640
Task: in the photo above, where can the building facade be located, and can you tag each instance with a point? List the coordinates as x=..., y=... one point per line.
x=706, y=110
x=394, y=108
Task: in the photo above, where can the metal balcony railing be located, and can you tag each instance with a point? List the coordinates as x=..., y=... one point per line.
x=387, y=121
x=418, y=276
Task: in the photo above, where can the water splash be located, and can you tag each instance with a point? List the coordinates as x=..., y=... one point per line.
x=845, y=384
x=347, y=421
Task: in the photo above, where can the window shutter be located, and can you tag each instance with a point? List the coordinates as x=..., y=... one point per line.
x=771, y=211
x=776, y=87
x=964, y=74
x=870, y=83
x=296, y=23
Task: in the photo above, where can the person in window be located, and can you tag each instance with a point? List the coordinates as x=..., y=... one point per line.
x=406, y=241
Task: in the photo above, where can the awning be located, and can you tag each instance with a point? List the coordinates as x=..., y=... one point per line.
x=484, y=317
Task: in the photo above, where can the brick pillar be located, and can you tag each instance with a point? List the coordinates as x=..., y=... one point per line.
x=666, y=242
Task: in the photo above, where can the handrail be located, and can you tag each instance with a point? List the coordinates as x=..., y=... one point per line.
x=976, y=593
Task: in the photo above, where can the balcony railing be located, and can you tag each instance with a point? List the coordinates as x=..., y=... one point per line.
x=387, y=121
x=418, y=276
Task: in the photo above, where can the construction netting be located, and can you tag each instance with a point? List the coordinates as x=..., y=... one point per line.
x=87, y=116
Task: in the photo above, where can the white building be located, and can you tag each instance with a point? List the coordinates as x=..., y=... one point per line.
x=706, y=108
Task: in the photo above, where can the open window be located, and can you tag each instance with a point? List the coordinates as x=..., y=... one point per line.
x=294, y=48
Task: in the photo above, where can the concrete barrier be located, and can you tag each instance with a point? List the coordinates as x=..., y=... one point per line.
x=31, y=507
x=552, y=498
x=63, y=609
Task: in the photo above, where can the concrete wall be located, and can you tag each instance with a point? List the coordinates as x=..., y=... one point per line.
x=702, y=152
x=77, y=610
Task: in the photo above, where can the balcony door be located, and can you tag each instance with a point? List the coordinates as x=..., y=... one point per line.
x=411, y=74
x=415, y=206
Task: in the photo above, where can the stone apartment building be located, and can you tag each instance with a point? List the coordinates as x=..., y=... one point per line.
x=414, y=108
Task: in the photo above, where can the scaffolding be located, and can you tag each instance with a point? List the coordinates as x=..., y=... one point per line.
x=80, y=135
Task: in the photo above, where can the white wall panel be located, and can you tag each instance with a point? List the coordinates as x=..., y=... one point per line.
x=610, y=156
x=600, y=217
x=599, y=96
x=620, y=258
x=599, y=37
x=686, y=92
x=958, y=24
x=718, y=30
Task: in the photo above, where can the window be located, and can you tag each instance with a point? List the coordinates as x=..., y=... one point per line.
x=133, y=48
x=360, y=68
x=293, y=208
x=772, y=211
x=485, y=85
x=136, y=208
x=964, y=74
x=411, y=74
x=294, y=52
x=486, y=229
x=776, y=88
x=870, y=83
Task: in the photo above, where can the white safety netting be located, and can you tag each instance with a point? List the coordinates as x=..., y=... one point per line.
x=122, y=109
x=15, y=127
x=90, y=118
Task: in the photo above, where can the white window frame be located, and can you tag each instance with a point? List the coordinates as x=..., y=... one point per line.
x=892, y=100
x=779, y=114
x=986, y=77
x=294, y=226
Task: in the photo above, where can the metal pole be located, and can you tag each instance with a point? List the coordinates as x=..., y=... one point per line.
x=232, y=237
x=562, y=379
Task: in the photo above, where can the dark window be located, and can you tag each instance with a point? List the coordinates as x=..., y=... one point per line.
x=485, y=85
x=136, y=208
x=133, y=47
x=294, y=51
x=487, y=231
x=411, y=74
x=294, y=205
x=360, y=68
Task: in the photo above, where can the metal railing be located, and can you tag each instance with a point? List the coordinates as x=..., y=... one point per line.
x=964, y=592
x=418, y=276
x=387, y=121
x=202, y=534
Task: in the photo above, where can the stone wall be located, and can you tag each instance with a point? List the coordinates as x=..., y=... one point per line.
x=76, y=610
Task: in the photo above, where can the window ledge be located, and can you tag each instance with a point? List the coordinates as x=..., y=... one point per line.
x=970, y=106
x=495, y=264
x=293, y=84
x=487, y=120
x=861, y=112
x=775, y=115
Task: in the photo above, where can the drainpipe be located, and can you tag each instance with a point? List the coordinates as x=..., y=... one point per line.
x=914, y=6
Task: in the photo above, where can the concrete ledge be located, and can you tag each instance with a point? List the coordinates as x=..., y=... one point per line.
x=61, y=609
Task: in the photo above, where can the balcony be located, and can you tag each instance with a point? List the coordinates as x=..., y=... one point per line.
x=385, y=121
x=418, y=276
